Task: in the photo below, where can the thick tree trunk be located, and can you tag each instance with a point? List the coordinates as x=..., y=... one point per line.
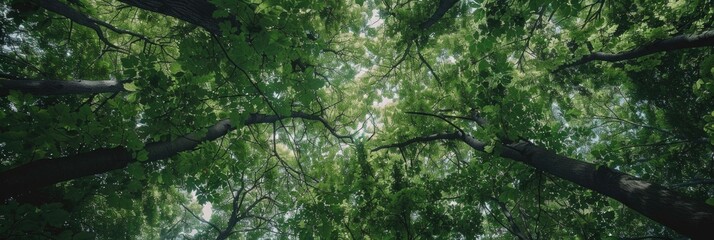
x=46, y=172
x=57, y=87
x=197, y=12
x=669, y=208
x=686, y=216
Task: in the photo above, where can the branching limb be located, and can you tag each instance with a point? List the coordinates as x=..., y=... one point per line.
x=77, y=17
x=84, y=20
x=395, y=65
x=324, y=122
x=530, y=36
x=122, y=31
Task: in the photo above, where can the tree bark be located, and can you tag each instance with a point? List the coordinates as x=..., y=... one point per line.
x=85, y=20
x=197, y=12
x=682, y=214
x=58, y=87
x=45, y=172
x=81, y=19
x=675, y=43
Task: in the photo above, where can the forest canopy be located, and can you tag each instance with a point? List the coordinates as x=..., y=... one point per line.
x=356, y=119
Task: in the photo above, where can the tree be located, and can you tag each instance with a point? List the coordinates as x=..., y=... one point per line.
x=267, y=109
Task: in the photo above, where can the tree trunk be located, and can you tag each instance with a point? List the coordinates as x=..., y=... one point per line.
x=197, y=12
x=57, y=87
x=686, y=216
x=704, y=39
x=45, y=172
x=682, y=214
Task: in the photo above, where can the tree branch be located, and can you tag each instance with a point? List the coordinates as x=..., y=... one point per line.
x=200, y=218
x=444, y=6
x=196, y=12
x=77, y=17
x=675, y=43
x=44, y=172
x=59, y=87
x=687, y=216
x=433, y=137
x=439, y=117
x=514, y=229
x=395, y=65
x=423, y=60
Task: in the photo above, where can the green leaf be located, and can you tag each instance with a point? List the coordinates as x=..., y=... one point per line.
x=489, y=148
x=263, y=7
x=131, y=87
x=238, y=118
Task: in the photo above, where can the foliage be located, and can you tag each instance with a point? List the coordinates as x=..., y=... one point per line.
x=372, y=72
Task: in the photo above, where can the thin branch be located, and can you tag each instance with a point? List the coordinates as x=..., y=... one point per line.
x=423, y=60
x=250, y=80
x=530, y=35
x=122, y=31
x=395, y=65
x=324, y=122
x=439, y=117
x=200, y=218
x=515, y=229
x=632, y=123
x=77, y=17
x=433, y=137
